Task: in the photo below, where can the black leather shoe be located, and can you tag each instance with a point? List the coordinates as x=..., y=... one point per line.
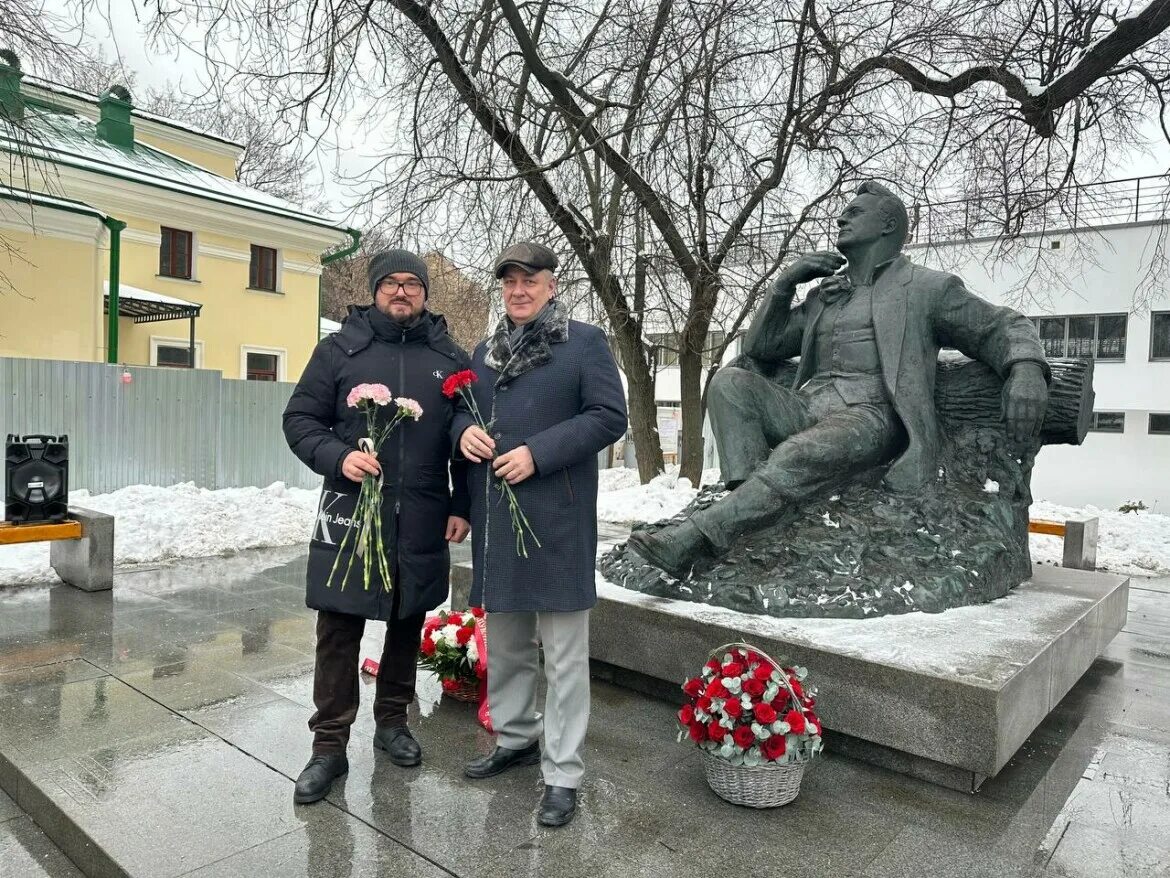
x=501, y=759
x=674, y=549
x=316, y=780
x=399, y=745
x=557, y=806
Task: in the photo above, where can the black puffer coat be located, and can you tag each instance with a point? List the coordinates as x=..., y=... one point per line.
x=416, y=500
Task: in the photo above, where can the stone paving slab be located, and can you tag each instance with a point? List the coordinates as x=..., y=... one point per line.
x=171, y=751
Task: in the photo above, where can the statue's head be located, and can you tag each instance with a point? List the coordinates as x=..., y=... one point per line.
x=874, y=215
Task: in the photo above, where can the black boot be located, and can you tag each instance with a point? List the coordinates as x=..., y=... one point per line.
x=399, y=745
x=501, y=759
x=557, y=806
x=316, y=780
x=674, y=549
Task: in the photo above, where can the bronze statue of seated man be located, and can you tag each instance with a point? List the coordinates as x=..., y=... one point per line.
x=868, y=339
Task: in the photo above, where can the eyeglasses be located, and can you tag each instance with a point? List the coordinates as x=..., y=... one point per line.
x=410, y=287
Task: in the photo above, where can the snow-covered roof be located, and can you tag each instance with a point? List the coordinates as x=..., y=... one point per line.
x=66, y=139
x=125, y=291
x=328, y=326
x=39, y=199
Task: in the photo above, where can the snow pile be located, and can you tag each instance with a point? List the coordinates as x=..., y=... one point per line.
x=182, y=521
x=1136, y=543
x=622, y=499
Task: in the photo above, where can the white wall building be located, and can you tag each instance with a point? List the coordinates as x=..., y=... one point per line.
x=1083, y=302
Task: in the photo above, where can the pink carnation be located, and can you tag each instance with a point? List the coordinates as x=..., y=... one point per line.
x=409, y=408
x=379, y=394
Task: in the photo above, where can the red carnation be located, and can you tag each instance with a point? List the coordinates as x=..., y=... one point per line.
x=450, y=685
x=477, y=612
x=716, y=689
x=712, y=665
x=704, y=703
x=733, y=708
x=754, y=688
x=457, y=381
x=796, y=687
x=715, y=731
x=732, y=669
x=427, y=647
x=463, y=635
x=781, y=700
x=686, y=716
x=744, y=737
x=795, y=719
x=763, y=672
x=765, y=713
x=698, y=732
x=693, y=687
x=454, y=619
x=774, y=747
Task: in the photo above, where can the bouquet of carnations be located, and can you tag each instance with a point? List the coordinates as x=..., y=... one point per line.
x=460, y=383
x=754, y=721
x=373, y=400
x=454, y=648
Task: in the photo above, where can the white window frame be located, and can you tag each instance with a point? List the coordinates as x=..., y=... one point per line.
x=281, y=362
x=161, y=340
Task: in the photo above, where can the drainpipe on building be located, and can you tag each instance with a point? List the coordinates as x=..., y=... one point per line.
x=115, y=227
x=326, y=259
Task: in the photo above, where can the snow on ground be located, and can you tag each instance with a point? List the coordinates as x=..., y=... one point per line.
x=622, y=499
x=1130, y=542
x=183, y=521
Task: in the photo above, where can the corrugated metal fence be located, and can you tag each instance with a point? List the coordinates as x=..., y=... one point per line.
x=166, y=426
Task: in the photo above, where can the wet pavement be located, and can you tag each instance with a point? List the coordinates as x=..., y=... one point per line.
x=156, y=730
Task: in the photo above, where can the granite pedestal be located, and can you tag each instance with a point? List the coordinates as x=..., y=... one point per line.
x=946, y=697
x=86, y=563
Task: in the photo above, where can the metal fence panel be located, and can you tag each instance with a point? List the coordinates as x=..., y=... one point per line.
x=165, y=427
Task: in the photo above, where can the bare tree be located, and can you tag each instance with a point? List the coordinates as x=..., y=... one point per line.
x=677, y=152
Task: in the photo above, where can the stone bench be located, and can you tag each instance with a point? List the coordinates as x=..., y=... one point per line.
x=1080, y=540
x=81, y=548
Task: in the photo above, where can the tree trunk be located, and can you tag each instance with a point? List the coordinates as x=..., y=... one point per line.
x=644, y=423
x=690, y=458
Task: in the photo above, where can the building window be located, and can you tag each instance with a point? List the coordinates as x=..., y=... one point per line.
x=1160, y=424
x=262, y=272
x=1160, y=335
x=174, y=352
x=1108, y=422
x=1096, y=336
x=262, y=364
x=174, y=257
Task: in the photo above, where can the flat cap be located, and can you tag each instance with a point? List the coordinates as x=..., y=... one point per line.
x=530, y=256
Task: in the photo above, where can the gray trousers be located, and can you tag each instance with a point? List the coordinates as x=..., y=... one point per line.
x=513, y=665
x=778, y=445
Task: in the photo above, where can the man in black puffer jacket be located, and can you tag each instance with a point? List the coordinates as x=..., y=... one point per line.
x=399, y=343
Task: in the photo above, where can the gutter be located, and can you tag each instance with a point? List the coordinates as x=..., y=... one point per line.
x=327, y=258
x=115, y=228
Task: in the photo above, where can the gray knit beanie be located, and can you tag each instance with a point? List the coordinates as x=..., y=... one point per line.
x=393, y=261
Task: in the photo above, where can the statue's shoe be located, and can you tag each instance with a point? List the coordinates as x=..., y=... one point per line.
x=674, y=549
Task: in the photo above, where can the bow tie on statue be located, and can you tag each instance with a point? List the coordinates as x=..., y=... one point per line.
x=835, y=288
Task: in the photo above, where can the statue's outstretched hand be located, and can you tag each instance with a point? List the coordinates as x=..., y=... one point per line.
x=810, y=266
x=1025, y=399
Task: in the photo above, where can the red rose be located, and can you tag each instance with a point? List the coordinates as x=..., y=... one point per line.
x=427, y=647
x=754, y=688
x=712, y=665
x=744, y=737
x=763, y=672
x=715, y=731
x=463, y=635
x=716, y=689
x=704, y=703
x=732, y=669
x=781, y=700
x=796, y=687
x=698, y=732
x=457, y=381
x=455, y=619
x=450, y=685
x=765, y=713
x=477, y=612
x=686, y=716
x=774, y=747
x=795, y=719
x=733, y=708
x=693, y=687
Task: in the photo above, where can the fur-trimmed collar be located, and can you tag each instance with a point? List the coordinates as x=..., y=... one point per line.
x=534, y=348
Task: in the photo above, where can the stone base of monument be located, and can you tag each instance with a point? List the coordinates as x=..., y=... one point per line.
x=947, y=697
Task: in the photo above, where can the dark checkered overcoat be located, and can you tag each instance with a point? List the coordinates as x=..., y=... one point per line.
x=561, y=395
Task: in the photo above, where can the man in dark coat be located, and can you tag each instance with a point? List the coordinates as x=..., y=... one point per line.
x=868, y=340
x=399, y=343
x=551, y=393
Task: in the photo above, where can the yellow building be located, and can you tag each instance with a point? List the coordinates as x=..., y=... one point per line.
x=103, y=206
